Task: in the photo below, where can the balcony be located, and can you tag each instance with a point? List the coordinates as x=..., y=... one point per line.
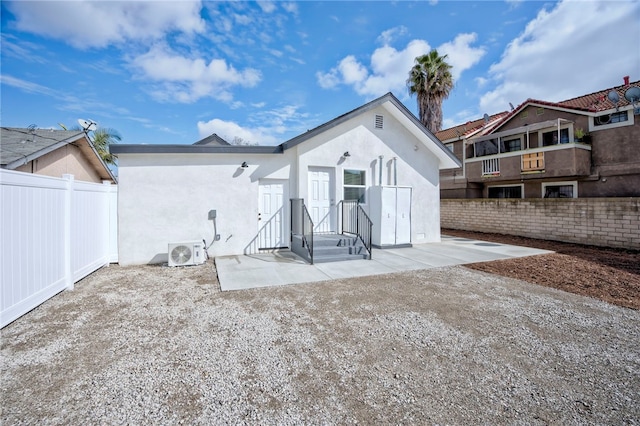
x=528, y=152
x=558, y=161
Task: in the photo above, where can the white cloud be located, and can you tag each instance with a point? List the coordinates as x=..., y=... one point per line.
x=389, y=68
x=570, y=50
x=291, y=7
x=229, y=130
x=267, y=6
x=391, y=34
x=85, y=24
x=272, y=126
x=186, y=79
x=460, y=54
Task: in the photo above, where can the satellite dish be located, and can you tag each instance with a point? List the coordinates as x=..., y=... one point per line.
x=613, y=97
x=87, y=125
x=485, y=117
x=511, y=105
x=633, y=94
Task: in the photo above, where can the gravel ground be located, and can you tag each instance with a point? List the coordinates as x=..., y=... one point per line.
x=152, y=344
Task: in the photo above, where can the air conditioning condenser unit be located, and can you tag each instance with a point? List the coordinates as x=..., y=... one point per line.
x=185, y=254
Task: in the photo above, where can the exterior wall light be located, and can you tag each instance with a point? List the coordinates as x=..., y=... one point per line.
x=244, y=165
x=346, y=154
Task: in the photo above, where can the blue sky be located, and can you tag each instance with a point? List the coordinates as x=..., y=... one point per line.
x=164, y=72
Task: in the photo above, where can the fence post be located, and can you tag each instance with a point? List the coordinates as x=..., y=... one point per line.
x=106, y=226
x=68, y=199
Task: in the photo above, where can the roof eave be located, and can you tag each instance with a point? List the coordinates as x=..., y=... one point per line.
x=121, y=149
x=447, y=160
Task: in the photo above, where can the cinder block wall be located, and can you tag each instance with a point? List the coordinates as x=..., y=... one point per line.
x=606, y=222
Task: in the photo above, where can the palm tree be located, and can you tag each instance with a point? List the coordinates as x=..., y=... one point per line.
x=102, y=138
x=431, y=81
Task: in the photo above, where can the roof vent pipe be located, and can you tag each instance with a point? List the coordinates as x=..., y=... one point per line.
x=380, y=170
x=626, y=80
x=395, y=171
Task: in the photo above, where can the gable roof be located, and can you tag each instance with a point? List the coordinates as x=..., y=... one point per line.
x=469, y=128
x=213, y=139
x=388, y=102
x=22, y=145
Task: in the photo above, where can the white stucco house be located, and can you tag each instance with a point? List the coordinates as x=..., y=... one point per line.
x=237, y=198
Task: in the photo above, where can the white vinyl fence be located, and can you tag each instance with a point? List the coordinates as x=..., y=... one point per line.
x=53, y=233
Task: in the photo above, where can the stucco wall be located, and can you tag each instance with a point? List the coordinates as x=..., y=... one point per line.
x=165, y=198
x=415, y=166
x=65, y=160
x=607, y=222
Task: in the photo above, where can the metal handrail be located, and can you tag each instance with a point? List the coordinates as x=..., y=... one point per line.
x=356, y=221
x=302, y=225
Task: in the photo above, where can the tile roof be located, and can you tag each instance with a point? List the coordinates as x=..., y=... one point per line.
x=468, y=128
x=599, y=101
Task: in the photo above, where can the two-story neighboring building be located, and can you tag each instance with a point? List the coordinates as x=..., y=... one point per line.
x=587, y=146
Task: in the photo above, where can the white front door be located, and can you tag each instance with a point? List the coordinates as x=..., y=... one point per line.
x=272, y=217
x=321, y=198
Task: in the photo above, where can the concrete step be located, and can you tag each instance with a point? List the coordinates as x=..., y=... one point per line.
x=335, y=248
x=339, y=258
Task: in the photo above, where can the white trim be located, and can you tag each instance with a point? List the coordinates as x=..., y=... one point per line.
x=531, y=151
x=365, y=186
x=630, y=120
x=573, y=183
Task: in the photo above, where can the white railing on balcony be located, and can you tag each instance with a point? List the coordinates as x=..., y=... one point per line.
x=491, y=167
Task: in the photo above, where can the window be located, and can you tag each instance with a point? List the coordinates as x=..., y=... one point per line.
x=616, y=117
x=524, y=114
x=379, y=121
x=551, y=138
x=511, y=145
x=560, y=190
x=449, y=147
x=505, y=191
x=354, y=185
x=489, y=147
x=539, y=111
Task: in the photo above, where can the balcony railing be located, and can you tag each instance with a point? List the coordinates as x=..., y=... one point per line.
x=491, y=167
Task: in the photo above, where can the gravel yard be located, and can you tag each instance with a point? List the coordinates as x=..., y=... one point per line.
x=152, y=344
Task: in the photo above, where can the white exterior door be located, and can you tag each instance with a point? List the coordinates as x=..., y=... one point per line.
x=321, y=198
x=272, y=217
x=403, y=216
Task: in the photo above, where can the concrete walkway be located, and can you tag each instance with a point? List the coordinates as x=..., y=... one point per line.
x=284, y=267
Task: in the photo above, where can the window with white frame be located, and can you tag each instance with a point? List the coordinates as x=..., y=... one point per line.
x=511, y=145
x=560, y=190
x=616, y=117
x=508, y=191
x=551, y=138
x=355, y=185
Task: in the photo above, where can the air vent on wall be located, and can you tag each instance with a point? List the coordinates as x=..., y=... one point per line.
x=379, y=121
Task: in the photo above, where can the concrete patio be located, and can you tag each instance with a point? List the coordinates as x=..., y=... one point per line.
x=284, y=267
